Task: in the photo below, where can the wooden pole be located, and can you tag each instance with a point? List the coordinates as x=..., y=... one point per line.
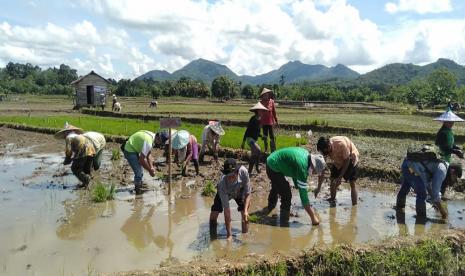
x=169, y=162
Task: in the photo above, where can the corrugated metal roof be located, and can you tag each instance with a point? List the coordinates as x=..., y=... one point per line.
x=91, y=73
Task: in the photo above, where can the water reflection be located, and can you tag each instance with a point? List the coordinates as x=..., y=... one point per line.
x=343, y=229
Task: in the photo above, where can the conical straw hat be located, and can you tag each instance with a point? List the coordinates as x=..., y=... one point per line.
x=180, y=139
x=265, y=90
x=448, y=116
x=61, y=134
x=258, y=106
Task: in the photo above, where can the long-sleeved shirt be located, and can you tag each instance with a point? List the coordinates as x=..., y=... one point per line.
x=432, y=173
x=209, y=138
x=82, y=145
x=445, y=141
x=269, y=117
x=253, y=129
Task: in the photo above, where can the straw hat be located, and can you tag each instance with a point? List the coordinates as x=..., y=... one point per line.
x=448, y=116
x=216, y=128
x=265, y=90
x=180, y=139
x=61, y=134
x=258, y=106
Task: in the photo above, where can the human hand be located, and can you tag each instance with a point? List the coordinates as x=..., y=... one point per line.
x=316, y=192
x=229, y=238
x=246, y=216
x=152, y=172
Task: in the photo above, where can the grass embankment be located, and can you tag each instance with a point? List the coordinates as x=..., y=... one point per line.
x=126, y=127
x=441, y=255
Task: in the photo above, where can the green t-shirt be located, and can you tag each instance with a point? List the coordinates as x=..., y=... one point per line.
x=445, y=140
x=140, y=142
x=292, y=162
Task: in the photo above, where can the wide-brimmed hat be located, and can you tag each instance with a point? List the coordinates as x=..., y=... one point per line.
x=318, y=162
x=265, y=90
x=448, y=116
x=216, y=128
x=61, y=134
x=180, y=139
x=258, y=106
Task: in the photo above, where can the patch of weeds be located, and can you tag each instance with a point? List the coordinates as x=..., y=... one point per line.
x=115, y=154
x=209, y=189
x=102, y=192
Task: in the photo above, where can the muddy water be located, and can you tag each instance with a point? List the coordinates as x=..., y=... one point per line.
x=48, y=228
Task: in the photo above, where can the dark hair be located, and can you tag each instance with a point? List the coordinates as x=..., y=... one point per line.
x=322, y=144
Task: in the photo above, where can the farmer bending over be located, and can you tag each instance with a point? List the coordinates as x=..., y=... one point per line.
x=251, y=137
x=298, y=164
x=234, y=184
x=84, y=151
x=137, y=151
x=211, y=138
x=186, y=149
x=344, y=156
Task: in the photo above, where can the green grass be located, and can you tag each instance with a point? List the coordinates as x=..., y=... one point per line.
x=115, y=154
x=102, y=192
x=209, y=189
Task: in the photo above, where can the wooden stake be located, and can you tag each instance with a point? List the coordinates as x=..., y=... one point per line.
x=169, y=162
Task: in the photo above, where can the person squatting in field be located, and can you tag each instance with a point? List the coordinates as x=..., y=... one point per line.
x=251, y=137
x=211, y=138
x=268, y=118
x=297, y=163
x=83, y=150
x=234, y=184
x=137, y=150
x=344, y=156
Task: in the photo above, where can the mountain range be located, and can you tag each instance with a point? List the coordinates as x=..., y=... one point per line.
x=296, y=71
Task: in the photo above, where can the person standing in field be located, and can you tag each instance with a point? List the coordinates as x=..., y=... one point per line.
x=234, y=184
x=445, y=137
x=268, y=118
x=251, y=137
x=299, y=164
x=211, y=138
x=113, y=102
x=83, y=150
x=344, y=156
x=186, y=149
x=137, y=150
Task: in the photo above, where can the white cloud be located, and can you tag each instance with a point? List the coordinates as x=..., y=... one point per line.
x=419, y=6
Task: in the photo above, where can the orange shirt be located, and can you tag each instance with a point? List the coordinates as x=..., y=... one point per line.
x=341, y=149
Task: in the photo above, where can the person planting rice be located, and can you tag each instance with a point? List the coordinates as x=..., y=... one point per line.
x=251, y=137
x=423, y=171
x=137, y=150
x=234, y=184
x=186, y=149
x=211, y=137
x=83, y=150
x=268, y=118
x=161, y=140
x=297, y=163
x=445, y=137
x=344, y=156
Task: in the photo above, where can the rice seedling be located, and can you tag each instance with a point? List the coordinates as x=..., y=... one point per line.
x=209, y=189
x=115, y=154
x=102, y=192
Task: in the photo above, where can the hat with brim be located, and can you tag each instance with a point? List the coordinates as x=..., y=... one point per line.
x=258, y=107
x=318, y=163
x=265, y=90
x=180, y=139
x=61, y=134
x=216, y=128
x=448, y=116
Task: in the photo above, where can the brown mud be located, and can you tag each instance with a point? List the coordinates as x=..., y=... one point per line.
x=46, y=221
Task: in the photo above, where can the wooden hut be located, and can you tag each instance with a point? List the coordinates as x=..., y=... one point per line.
x=91, y=90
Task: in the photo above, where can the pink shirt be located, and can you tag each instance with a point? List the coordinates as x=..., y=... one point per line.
x=268, y=117
x=341, y=149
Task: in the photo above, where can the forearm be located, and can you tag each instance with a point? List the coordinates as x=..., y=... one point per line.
x=321, y=178
x=227, y=221
x=247, y=203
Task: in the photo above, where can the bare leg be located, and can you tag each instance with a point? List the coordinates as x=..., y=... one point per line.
x=353, y=193
x=311, y=213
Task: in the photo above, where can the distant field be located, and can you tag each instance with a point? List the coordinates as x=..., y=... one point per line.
x=338, y=115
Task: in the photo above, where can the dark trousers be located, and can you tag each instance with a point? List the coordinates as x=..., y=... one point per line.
x=279, y=187
x=409, y=181
x=82, y=168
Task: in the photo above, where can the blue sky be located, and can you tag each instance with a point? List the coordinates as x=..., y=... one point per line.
x=123, y=38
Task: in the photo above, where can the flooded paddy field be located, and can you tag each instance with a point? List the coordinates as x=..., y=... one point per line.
x=50, y=228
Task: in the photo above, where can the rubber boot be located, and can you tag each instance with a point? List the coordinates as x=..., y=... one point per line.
x=421, y=210
x=213, y=226
x=441, y=209
x=84, y=178
x=273, y=144
x=138, y=188
x=284, y=218
x=257, y=164
x=251, y=163
x=265, y=142
x=400, y=204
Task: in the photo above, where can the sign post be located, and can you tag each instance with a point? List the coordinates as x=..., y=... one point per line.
x=169, y=123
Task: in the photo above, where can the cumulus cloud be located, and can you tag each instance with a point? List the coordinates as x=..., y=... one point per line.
x=419, y=6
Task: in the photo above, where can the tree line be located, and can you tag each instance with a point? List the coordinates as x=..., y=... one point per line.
x=437, y=88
